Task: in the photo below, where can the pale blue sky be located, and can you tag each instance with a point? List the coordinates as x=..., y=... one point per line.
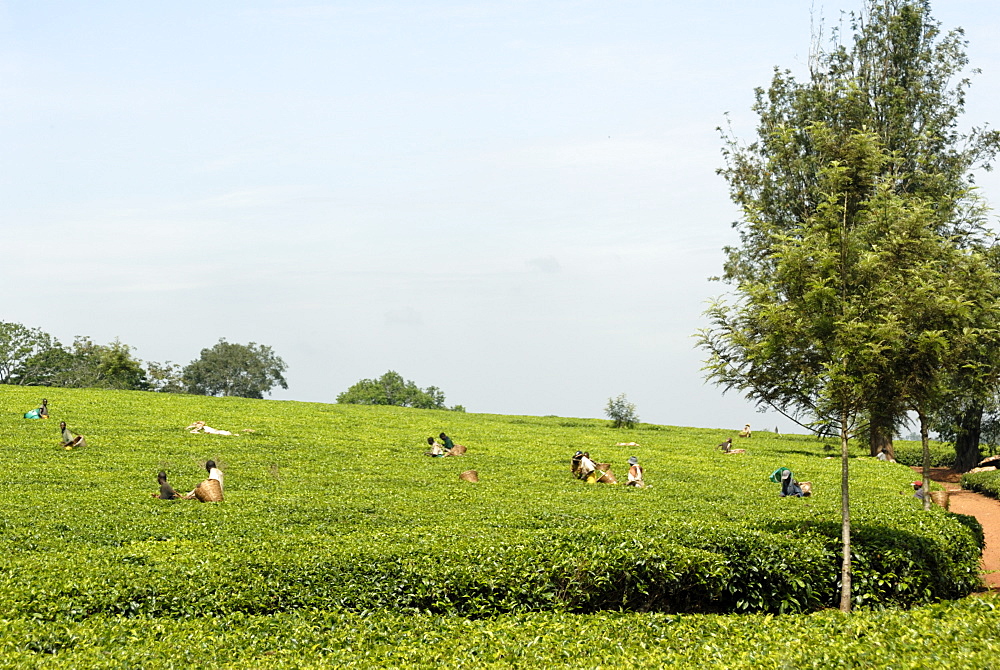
x=513, y=201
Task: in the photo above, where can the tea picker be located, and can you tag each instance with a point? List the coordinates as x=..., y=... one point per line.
x=635, y=473
x=434, y=449
x=789, y=486
x=69, y=439
x=450, y=447
x=167, y=491
x=209, y=490
x=40, y=413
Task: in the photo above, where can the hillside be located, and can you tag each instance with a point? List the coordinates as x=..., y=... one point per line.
x=323, y=494
x=334, y=509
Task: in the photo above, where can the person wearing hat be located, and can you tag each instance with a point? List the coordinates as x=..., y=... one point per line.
x=635, y=473
x=789, y=486
x=918, y=490
x=574, y=463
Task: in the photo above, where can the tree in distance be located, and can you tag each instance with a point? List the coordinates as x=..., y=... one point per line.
x=621, y=412
x=19, y=345
x=166, y=377
x=241, y=370
x=84, y=364
x=392, y=389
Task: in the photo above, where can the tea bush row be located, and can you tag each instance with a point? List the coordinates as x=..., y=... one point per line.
x=960, y=636
x=986, y=482
x=692, y=567
x=911, y=453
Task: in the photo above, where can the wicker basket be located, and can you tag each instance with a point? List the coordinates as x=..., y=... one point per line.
x=457, y=450
x=807, y=488
x=940, y=498
x=605, y=476
x=209, y=490
x=469, y=476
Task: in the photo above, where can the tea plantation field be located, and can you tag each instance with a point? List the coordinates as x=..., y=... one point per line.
x=339, y=543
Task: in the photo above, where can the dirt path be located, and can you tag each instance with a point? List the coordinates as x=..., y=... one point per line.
x=986, y=510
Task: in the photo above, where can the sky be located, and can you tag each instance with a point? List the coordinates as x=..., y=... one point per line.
x=513, y=201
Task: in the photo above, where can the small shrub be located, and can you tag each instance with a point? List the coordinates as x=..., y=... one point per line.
x=621, y=412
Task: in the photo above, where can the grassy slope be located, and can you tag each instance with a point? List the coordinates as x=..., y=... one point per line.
x=321, y=483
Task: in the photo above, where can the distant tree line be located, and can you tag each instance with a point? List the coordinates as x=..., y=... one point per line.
x=32, y=357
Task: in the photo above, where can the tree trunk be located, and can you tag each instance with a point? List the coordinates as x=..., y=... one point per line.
x=967, y=451
x=845, y=517
x=927, y=461
x=882, y=425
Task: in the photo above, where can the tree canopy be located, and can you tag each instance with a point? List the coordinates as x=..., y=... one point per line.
x=863, y=281
x=20, y=344
x=392, y=389
x=84, y=364
x=899, y=81
x=230, y=369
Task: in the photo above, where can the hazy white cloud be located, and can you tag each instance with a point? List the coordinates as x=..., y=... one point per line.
x=548, y=264
x=403, y=316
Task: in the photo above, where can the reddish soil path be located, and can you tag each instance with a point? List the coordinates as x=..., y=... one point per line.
x=986, y=510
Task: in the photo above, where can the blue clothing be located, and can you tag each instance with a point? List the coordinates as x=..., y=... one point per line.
x=789, y=487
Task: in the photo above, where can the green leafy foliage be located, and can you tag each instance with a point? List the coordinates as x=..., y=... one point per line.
x=332, y=514
x=336, y=504
x=986, y=482
x=622, y=412
x=908, y=452
x=241, y=370
x=85, y=364
x=957, y=636
x=18, y=345
x=392, y=389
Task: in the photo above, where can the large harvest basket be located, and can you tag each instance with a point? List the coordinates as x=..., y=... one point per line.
x=209, y=490
x=469, y=476
x=604, y=474
x=940, y=498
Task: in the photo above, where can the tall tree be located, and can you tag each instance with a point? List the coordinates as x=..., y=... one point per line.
x=865, y=288
x=898, y=77
x=856, y=202
x=165, y=377
x=230, y=369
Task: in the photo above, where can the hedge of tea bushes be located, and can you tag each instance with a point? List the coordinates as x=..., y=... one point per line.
x=730, y=568
x=959, y=635
x=909, y=452
x=986, y=482
x=335, y=507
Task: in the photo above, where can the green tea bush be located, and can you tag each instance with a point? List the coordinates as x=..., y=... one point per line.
x=911, y=453
x=334, y=508
x=986, y=482
x=956, y=635
x=972, y=523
